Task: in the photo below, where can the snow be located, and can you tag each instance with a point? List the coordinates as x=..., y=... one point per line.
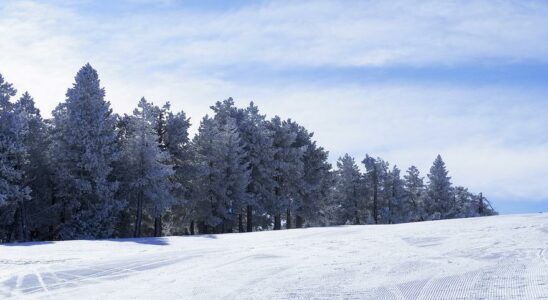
x=500, y=257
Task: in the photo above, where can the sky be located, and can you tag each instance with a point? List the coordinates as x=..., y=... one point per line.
x=402, y=80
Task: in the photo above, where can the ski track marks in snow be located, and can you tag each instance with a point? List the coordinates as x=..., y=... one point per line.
x=45, y=279
x=503, y=257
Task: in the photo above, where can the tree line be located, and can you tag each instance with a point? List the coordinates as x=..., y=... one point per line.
x=88, y=173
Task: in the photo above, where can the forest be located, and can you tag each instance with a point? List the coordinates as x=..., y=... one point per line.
x=89, y=173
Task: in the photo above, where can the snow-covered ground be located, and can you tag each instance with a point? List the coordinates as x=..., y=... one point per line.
x=502, y=257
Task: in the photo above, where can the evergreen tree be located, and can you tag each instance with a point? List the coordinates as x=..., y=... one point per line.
x=14, y=190
x=316, y=187
x=148, y=177
x=414, y=189
x=258, y=145
x=395, y=197
x=440, y=195
x=177, y=144
x=375, y=177
x=288, y=168
x=222, y=176
x=83, y=151
x=36, y=216
x=349, y=196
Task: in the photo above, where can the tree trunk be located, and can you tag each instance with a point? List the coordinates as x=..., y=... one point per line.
x=241, y=222
x=277, y=222
x=356, y=206
x=249, y=218
x=138, y=217
x=389, y=211
x=23, y=223
x=192, y=227
x=201, y=227
x=51, y=229
x=288, y=219
x=221, y=227
x=158, y=226
x=480, y=208
x=375, y=191
x=299, y=221
x=356, y=214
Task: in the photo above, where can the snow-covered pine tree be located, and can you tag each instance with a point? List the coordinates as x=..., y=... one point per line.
x=440, y=194
x=395, y=196
x=316, y=187
x=348, y=196
x=415, y=193
x=257, y=140
x=83, y=151
x=375, y=177
x=37, y=215
x=312, y=188
x=464, y=205
x=298, y=200
x=148, y=170
x=288, y=168
x=222, y=177
x=14, y=191
x=177, y=143
x=225, y=111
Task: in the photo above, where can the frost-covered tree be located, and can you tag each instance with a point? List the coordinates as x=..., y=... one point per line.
x=348, y=195
x=225, y=111
x=312, y=189
x=464, y=204
x=259, y=154
x=177, y=143
x=148, y=170
x=83, y=151
x=299, y=189
x=14, y=189
x=222, y=175
x=375, y=177
x=316, y=187
x=37, y=215
x=395, y=194
x=414, y=194
x=440, y=195
x=288, y=168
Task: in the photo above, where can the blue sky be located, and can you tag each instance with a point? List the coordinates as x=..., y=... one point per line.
x=404, y=80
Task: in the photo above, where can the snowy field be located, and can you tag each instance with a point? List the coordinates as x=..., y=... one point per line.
x=502, y=257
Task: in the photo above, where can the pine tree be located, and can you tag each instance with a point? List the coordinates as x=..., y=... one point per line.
x=177, y=144
x=83, y=151
x=440, y=196
x=349, y=196
x=14, y=190
x=316, y=188
x=375, y=177
x=148, y=176
x=414, y=189
x=288, y=169
x=257, y=140
x=222, y=177
x=35, y=216
x=395, y=196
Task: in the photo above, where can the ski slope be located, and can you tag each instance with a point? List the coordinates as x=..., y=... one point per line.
x=501, y=257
